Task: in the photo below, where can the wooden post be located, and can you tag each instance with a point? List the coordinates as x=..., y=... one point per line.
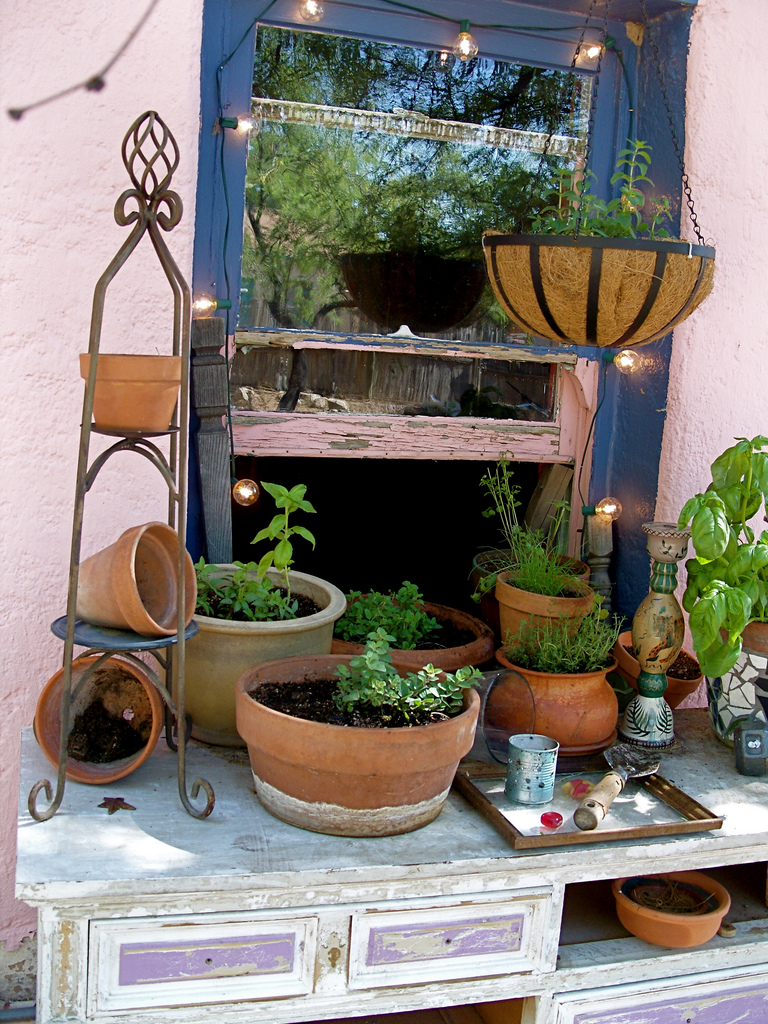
x=209, y=396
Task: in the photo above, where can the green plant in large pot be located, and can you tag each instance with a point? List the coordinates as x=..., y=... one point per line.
x=254, y=612
x=596, y=272
x=726, y=595
x=566, y=670
x=529, y=561
x=355, y=745
x=423, y=633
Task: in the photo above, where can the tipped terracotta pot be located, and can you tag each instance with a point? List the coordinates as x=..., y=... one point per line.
x=124, y=691
x=579, y=710
x=476, y=652
x=673, y=929
x=134, y=393
x=223, y=650
x=486, y=563
x=629, y=668
x=517, y=606
x=343, y=780
x=133, y=584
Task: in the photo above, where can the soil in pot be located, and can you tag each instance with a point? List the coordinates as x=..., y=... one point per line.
x=100, y=737
x=683, y=675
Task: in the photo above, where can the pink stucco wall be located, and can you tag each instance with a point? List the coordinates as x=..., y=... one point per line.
x=60, y=173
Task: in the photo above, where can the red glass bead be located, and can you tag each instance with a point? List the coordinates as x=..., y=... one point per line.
x=551, y=819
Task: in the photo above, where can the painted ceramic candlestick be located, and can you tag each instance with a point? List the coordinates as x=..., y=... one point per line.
x=658, y=629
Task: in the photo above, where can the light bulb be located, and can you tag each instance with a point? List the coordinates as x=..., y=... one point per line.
x=204, y=305
x=593, y=51
x=311, y=10
x=465, y=47
x=627, y=361
x=608, y=509
x=443, y=60
x=588, y=54
x=245, y=492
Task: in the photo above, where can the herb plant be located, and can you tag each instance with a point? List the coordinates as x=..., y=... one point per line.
x=531, y=561
x=728, y=579
x=400, y=614
x=371, y=679
x=557, y=648
x=281, y=556
x=245, y=595
x=575, y=209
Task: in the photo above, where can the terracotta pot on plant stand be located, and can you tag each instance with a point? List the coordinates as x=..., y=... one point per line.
x=345, y=780
x=223, y=649
x=134, y=393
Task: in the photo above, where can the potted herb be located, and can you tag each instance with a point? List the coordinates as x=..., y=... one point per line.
x=355, y=745
x=726, y=596
x=600, y=273
x=422, y=633
x=529, y=578
x=252, y=612
x=566, y=669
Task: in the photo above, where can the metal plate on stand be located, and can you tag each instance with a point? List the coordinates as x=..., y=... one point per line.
x=104, y=638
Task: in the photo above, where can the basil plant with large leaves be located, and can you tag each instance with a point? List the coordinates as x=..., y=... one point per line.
x=728, y=579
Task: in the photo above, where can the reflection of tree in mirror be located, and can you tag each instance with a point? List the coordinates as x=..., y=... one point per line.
x=319, y=189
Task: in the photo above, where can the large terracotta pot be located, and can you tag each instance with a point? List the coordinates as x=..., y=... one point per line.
x=343, y=780
x=629, y=668
x=223, y=650
x=579, y=710
x=755, y=638
x=517, y=606
x=121, y=687
x=133, y=583
x=134, y=393
x=666, y=928
x=476, y=652
x=486, y=563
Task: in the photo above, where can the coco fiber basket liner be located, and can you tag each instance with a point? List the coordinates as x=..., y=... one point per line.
x=597, y=291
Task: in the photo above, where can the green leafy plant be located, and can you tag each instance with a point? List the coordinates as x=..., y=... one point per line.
x=728, y=579
x=400, y=614
x=281, y=556
x=555, y=647
x=244, y=595
x=371, y=679
x=574, y=208
x=531, y=559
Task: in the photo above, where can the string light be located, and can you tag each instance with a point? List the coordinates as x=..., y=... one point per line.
x=608, y=509
x=465, y=47
x=626, y=360
x=311, y=10
x=205, y=305
x=240, y=124
x=245, y=492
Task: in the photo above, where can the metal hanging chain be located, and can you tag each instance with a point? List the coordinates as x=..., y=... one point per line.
x=592, y=103
x=671, y=121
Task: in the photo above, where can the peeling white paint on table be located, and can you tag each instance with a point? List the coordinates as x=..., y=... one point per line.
x=152, y=909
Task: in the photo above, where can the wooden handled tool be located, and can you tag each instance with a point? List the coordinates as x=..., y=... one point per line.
x=627, y=762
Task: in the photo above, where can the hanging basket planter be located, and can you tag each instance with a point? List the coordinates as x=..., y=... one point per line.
x=586, y=290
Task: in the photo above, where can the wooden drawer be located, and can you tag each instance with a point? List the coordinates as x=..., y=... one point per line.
x=713, y=998
x=179, y=961
x=474, y=940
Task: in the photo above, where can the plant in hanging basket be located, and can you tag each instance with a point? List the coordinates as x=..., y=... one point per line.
x=726, y=596
x=587, y=277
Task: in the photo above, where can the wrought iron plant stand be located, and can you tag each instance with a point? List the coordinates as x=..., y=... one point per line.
x=150, y=155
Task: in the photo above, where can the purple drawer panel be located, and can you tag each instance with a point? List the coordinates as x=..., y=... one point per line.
x=147, y=963
x=726, y=1006
x=482, y=936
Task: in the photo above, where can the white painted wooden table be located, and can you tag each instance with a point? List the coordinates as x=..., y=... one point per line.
x=150, y=915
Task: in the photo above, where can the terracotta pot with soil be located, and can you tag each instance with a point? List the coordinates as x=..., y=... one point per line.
x=223, y=649
x=134, y=583
x=683, y=676
x=579, y=710
x=466, y=641
x=347, y=780
x=677, y=909
x=517, y=606
x=134, y=393
x=117, y=716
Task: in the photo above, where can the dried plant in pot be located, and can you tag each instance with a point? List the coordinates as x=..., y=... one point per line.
x=678, y=909
x=422, y=633
x=587, y=275
x=253, y=612
x=385, y=776
x=566, y=669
